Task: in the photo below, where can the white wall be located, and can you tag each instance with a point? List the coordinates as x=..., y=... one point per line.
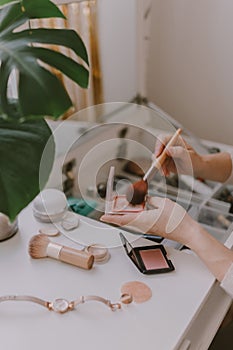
x=118, y=48
x=191, y=64
x=117, y=27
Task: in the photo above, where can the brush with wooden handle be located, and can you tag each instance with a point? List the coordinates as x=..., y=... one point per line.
x=40, y=246
x=136, y=192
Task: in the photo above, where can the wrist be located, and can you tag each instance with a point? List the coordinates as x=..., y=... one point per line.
x=195, y=236
x=187, y=233
x=200, y=166
x=192, y=234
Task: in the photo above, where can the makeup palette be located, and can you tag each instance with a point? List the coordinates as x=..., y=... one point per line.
x=118, y=204
x=148, y=259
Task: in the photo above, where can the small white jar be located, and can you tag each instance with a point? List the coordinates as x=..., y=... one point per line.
x=7, y=228
x=50, y=205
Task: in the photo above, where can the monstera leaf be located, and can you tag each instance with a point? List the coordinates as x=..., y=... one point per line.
x=40, y=92
x=24, y=132
x=21, y=176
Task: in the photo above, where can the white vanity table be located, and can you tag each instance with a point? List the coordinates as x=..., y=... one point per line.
x=185, y=311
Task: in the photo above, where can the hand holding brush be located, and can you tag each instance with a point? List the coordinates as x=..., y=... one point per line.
x=136, y=192
x=40, y=246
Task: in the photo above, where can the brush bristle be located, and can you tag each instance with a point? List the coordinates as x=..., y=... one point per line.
x=38, y=246
x=136, y=192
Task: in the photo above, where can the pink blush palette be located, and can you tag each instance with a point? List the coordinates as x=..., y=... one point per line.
x=122, y=206
x=153, y=259
x=148, y=259
x=118, y=204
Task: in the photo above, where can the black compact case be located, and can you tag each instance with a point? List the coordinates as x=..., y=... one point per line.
x=148, y=259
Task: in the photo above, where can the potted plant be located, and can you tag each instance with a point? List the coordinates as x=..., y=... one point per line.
x=24, y=131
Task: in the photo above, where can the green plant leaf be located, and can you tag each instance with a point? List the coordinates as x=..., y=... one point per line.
x=21, y=150
x=41, y=97
x=62, y=37
x=64, y=64
x=43, y=9
x=5, y=2
x=24, y=134
x=4, y=73
x=39, y=91
x=11, y=17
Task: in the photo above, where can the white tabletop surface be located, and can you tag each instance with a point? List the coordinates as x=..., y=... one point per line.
x=158, y=323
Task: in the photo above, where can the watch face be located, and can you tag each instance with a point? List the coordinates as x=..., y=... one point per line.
x=60, y=305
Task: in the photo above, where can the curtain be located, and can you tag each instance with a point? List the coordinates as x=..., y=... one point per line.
x=82, y=17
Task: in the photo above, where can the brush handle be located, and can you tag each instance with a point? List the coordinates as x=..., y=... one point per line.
x=76, y=257
x=71, y=256
x=158, y=162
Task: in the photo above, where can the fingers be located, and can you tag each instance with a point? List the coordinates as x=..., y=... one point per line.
x=165, y=169
x=162, y=219
x=176, y=151
x=160, y=144
x=119, y=220
x=140, y=222
x=162, y=141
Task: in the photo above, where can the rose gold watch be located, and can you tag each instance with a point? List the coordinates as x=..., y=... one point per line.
x=61, y=305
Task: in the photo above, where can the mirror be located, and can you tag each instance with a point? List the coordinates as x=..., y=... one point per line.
x=124, y=137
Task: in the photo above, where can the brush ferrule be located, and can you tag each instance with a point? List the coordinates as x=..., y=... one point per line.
x=53, y=250
x=151, y=172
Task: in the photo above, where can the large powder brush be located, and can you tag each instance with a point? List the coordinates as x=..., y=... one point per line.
x=40, y=246
x=136, y=192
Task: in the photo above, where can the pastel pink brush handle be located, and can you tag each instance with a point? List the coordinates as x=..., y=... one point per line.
x=71, y=256
x=158, y=162
x=76, y=257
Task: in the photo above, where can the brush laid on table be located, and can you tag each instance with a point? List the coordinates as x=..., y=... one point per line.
x=40, y=246
x=136, y=192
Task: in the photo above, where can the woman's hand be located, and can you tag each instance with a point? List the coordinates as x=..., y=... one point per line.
x=181, y=158
x=168, y=219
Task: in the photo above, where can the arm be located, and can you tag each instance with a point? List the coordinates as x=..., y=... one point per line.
x=214, y=254
x=171, y=221
x=215, y=167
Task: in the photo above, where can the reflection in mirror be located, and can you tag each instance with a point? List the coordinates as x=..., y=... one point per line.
x=124, y=137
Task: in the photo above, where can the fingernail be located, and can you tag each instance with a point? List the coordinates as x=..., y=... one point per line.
x=104, y=218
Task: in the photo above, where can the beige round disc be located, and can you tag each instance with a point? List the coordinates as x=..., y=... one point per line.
x=138, y=290
x=49, y=231
x=101, y=253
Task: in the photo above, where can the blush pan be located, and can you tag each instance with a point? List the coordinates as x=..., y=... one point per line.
x=153, y=259
x=148, y=259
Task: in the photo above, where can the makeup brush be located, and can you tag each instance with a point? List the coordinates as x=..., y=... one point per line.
x=40, y=246
x=136, y=192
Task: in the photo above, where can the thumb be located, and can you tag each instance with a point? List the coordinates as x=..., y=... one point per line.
x=119, y=220
x=158, y=149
